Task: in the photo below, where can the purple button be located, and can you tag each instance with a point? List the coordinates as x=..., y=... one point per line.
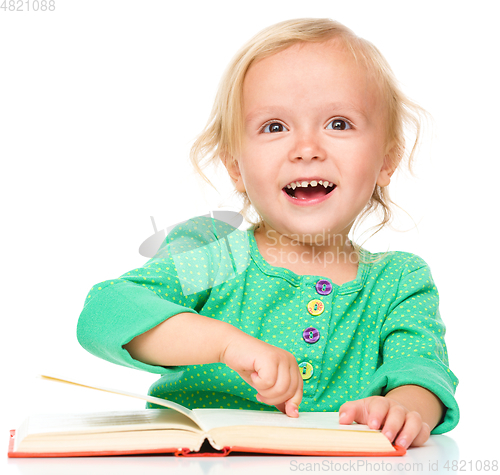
x=311, y=335
x=323, y=287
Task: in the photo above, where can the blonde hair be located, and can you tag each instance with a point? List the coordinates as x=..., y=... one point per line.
x=221, y=140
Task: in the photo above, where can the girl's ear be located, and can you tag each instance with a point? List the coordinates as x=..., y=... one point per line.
x=384, y=177
x=233, y=169
x=391, y=162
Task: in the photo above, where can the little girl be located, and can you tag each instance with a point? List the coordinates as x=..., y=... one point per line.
x=309, y=123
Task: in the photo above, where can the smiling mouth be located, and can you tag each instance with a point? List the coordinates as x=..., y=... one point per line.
x=309, y=190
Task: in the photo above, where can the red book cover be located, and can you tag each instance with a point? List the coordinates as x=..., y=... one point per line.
x=188, y=453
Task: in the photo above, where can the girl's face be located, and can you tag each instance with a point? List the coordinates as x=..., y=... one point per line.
x=311, y=114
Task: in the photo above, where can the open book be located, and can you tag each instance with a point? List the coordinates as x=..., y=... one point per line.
x=183, y=431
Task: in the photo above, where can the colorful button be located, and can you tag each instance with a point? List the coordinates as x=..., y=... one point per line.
x=311, y=335
x=315, y=307
x=323, y=287
x=306, y=370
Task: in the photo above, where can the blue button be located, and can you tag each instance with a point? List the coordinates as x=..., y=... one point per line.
x=323, y=287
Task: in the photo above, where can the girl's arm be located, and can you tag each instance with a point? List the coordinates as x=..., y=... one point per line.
x=184, y=339
x=188, y=338
x=149, y=317
x=415, y=373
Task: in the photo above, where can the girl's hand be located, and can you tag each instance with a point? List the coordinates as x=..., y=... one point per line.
x=396, y=421
x=272, y=371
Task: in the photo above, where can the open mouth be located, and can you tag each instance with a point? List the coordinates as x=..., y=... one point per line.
x=309, y=190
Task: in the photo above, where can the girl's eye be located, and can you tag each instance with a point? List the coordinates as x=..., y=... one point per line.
x=274, y=127
x=339, y=124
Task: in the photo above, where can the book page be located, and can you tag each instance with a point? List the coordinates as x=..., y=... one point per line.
x=155, y=400
x=121, y=431
x=100, y=422
x=213, y=418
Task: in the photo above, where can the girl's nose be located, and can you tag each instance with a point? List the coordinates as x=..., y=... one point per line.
x=307, y=146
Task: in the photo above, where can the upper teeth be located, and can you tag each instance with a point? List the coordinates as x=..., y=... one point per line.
x=298, y=184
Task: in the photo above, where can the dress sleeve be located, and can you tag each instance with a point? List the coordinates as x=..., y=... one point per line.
x=194, y=257
x=412, y=343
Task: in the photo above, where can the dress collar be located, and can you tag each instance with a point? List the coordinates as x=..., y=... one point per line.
x=297, y=280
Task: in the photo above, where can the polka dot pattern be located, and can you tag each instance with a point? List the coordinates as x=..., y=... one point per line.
x=378, y=331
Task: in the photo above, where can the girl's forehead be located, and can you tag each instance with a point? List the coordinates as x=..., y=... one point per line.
x=308, y=59
x=315, y=71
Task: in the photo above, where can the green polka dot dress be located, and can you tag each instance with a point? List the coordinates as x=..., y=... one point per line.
x=363, y=338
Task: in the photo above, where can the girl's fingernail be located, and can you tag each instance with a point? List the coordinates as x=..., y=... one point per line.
x=389, y=435
x=374, y=423
x=402, y=443
x=342, y=416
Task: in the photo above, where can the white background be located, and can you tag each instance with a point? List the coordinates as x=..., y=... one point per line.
x=99, y=103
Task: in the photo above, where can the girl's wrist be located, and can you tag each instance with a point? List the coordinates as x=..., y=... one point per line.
x=421, y=400
x=229, y=338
